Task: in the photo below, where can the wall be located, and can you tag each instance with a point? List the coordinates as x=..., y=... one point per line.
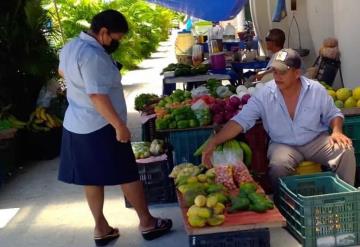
x=346, y=20
x=318, y=19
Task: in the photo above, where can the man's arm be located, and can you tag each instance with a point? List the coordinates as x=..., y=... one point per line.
x=228, y=132
x=337, y=135
x=104, y=106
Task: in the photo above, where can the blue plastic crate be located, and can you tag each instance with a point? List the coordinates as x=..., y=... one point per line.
x=352, y=127
x=185, y=142
x=249, y=238
x=320, y=208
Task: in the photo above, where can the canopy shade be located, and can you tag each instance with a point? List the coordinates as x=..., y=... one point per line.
x=210, y=10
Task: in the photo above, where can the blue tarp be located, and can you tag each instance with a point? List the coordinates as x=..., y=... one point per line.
x=210, y=10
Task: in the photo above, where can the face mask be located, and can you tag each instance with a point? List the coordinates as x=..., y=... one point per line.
x=112, y=47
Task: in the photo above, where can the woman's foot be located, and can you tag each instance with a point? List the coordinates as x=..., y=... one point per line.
x=101, y=240
x=156, y=228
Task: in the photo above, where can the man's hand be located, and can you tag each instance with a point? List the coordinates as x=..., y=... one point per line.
x=123, y=134
x=342, y=140
x=207, y=153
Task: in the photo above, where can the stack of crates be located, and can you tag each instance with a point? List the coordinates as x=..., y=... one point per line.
x=158, y=187
x=352, y=130
x=321, y=209
x=185, y=142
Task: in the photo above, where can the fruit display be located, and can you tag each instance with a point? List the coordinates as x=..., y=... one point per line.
x=8, y=121
x=230, y=152
x=41, y=120
x=143, y=150
x=249, y=199
x=344, y=97
x=146, y=102
x=208, y=201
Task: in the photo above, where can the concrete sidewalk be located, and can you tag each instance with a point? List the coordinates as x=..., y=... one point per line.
x=48, y=213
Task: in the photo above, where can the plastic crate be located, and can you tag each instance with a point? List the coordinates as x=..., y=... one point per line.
x=158, y=187
x=250, y=238
x=43, y=145
x=321, y=209
x=185, y=142
x=258, y=141
x=148, y=131
x=352, y=130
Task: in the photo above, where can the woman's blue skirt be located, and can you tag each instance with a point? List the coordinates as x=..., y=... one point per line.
x=96, y=158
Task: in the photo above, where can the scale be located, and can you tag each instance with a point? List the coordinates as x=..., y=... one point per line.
x=302, y=51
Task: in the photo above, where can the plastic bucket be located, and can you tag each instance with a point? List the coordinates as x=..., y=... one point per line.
x=184, y=43
x=218, y=61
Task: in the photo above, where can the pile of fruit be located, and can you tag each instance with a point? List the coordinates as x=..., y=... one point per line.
x=41, y=120
x=8, y=121
x=143, y=150
x=344, y=97
x=208, y=104
x=146, y=102
x=208, y=200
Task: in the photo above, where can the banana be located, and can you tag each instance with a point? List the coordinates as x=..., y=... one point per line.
x=50, y=121
x=43, y=114
x=247, y=153
x=49, y=125
x=37, y=112
x=38, y=121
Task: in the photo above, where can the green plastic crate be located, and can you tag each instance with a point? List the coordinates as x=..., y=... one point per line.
x=321, y=209
x=352, y=127
x=186, y=142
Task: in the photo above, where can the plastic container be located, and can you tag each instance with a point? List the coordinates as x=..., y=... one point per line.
x=185, y=142
x=183, y=43
x=249, y=238
x=304, y=169
x=218, y=61
x=321, y=209
x=158, y=187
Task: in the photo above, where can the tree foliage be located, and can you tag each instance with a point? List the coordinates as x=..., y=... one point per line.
x=149, y=24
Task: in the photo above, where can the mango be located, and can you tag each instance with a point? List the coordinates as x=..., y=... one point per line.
x=211, y=201
x=201, y=178
x=200, y=200
x=196, y=221
x=204, y=213
x=216, y=220
x=219, y=208
x=193, y=211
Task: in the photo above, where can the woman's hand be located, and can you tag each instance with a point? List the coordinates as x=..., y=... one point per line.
x=342, y=140
x=123, y=134
x=207, y=153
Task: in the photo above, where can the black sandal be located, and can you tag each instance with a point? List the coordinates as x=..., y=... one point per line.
x=162, y=226
x=104, y=240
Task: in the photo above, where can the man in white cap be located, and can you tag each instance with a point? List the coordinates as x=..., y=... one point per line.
x=296, y=113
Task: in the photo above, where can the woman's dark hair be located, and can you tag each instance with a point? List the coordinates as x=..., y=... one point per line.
x=111, y=19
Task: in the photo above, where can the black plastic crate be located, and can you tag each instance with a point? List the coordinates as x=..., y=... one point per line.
x=249, y=238
x=148, y=131
x=158, y=187
x=43, y=145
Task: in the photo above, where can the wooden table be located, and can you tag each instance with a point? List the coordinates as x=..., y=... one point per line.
x=169, y=83
x=247, y=220
x=234, y=223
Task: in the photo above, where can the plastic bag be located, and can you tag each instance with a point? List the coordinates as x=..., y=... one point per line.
x=47, y=93
x=224, y=175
